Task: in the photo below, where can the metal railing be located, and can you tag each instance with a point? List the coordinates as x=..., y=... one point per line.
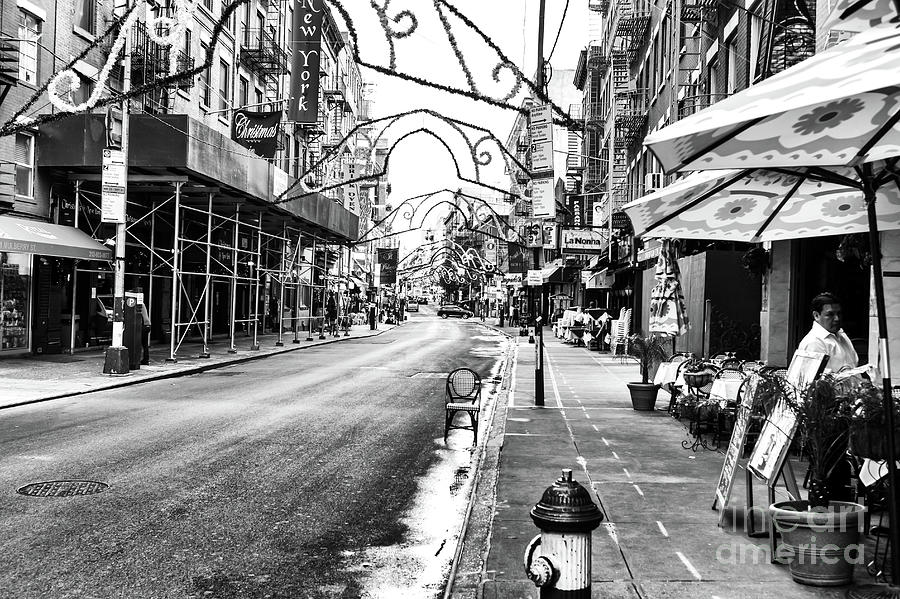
x=695, y=103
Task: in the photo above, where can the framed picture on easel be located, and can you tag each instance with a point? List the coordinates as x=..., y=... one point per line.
x=778, y=431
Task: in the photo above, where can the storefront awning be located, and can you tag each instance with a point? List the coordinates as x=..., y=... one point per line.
x=599, y=280
x=359, y=283
x=19, y=235
x=548, y=272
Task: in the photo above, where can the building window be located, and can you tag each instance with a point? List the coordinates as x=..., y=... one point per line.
x=754, y=28
x=224, y=85
x=15, y=291
x=230, y=23
x=243, y=92
x=258, y=98
x=30, y=36
x=208, y=5
x=24, y=159
x=712, y=80
x=86, y=15
x=731, y=79
x=205, y=91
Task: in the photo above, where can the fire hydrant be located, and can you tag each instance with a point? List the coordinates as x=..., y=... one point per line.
x=566, y=516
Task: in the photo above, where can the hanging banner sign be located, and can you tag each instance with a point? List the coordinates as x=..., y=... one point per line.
x=597, y=219
x=490, y=251
x=306, y=46
x=516, y=259
x=534, y=278
x=583, y=241
x=257, y=131
x=387, y=260
x=543, y=198
x=112, y=187
x=549, y=236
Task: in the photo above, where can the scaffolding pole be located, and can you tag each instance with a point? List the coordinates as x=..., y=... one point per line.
x=173, y=322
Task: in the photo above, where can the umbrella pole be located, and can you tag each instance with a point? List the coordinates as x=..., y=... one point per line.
x=887, y=401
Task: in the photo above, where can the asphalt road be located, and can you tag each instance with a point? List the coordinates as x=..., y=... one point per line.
x=272, y=479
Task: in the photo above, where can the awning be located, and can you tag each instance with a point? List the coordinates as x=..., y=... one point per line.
x=359, y=282
x=598, y=280
x=36, y=237
x=548, y=272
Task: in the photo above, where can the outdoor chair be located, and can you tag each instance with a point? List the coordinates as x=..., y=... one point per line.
x=750, y=366
x=624, y=330
x=463, y=394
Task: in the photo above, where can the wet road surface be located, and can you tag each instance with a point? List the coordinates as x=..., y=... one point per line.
x=302, y=475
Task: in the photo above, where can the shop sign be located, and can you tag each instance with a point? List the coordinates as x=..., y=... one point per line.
x=534, y=233
x=543, y=198
x=306, y=46
x=621, y=222
x=112, y=191
x=257, y=131
x=583, y=241
x=549, y=236
x=597, y=219
x=513, y=279
x=490, y=251
x=516, y=260
x=534, y=278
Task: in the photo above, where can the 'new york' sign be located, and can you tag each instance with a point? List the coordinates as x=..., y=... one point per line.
x=307, y=46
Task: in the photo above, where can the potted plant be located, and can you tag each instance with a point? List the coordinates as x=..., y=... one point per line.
x=649, y=351
x=820, y=535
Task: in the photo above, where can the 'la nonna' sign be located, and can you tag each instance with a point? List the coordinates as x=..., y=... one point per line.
x=583, y=241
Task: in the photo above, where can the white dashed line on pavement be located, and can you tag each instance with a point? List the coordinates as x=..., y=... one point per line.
x=662, y=529
x=595, y=428
x=627, y=473
x=615, y=455
x=604, y=440
x=689, y=565
x=638, y=489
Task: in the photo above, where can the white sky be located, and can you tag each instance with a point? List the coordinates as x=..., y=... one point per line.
x=420, y=164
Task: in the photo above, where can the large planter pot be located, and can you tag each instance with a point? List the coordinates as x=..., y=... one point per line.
x=643, y=396
x=822, y=545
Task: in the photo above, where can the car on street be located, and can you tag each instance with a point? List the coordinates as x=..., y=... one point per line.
x=448, y=310
x=412, y=307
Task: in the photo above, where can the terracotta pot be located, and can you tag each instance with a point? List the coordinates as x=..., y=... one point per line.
x=643, y=396
x=822, y=546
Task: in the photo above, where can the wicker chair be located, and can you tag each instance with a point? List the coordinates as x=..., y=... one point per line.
x=462, y=394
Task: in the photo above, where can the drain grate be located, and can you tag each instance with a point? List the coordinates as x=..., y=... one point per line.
x=62, y=488
x=429, y=375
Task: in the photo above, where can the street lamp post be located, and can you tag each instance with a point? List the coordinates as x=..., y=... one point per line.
x=536, y=318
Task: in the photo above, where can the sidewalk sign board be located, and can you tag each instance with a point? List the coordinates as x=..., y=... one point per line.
x=112, y=186
x=736, y=445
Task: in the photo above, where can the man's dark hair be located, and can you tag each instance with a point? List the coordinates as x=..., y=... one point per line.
x=823, y=298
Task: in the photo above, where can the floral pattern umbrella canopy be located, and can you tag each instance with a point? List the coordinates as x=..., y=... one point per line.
x=756, y=205
x=858, y=15
x=838, y=107
x=667, y=312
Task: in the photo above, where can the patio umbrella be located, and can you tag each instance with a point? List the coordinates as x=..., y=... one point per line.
x=859, y=15
x=667, y=312
x=839, y=108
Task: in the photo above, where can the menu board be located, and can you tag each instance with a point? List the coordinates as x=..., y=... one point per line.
x=738, y=437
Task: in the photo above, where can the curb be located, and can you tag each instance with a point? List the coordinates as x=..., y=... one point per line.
x=467, y=569
x=187, y=371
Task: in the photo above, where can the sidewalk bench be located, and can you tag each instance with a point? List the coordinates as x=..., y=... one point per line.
x=463, y=394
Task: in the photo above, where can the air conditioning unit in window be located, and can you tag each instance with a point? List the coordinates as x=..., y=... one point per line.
x=653, y=182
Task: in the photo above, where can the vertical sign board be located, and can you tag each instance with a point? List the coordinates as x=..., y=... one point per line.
x=112, y=190
x=543, y=198
x=736, y=445
x=307, y=32
x=490, y=251
x=387, y=259
x=534, y=278
x=516, y=259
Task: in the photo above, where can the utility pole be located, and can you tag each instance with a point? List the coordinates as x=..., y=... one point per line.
x=117, y=358
x=538, y=325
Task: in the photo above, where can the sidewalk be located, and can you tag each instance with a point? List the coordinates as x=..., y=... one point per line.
x=38, y=378
x=659, y=537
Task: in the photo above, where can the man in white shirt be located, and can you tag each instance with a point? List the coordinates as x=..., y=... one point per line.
x=827, y=336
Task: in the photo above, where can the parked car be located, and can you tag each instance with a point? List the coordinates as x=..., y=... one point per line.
x=454, y=310
x=423, y=300
x=412, y=307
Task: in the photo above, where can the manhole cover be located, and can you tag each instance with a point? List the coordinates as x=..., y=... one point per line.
x=430, y=375
x=62, y=488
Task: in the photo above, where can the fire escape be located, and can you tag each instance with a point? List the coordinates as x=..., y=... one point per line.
x=696, y=15
x=149, y=62
x=9, y=77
